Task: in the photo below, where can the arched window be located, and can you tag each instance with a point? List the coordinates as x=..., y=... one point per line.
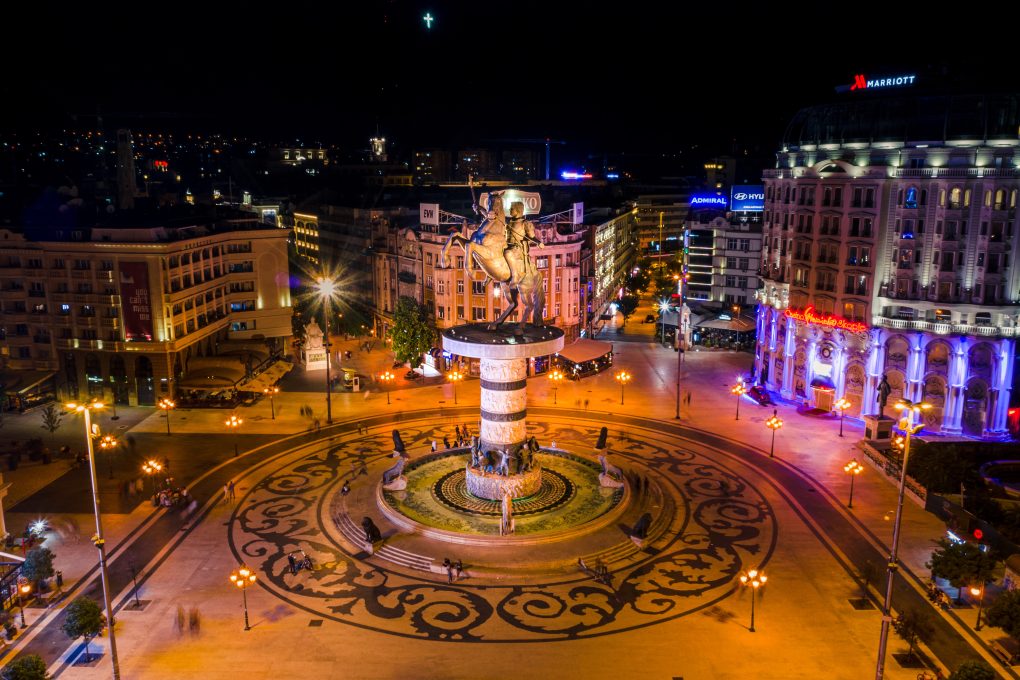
x=94, y=376
x=966, y=198
x=1000, y=199
x=988, y=198
x=955, y=198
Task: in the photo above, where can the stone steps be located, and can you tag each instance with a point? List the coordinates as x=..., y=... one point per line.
x=353, y=533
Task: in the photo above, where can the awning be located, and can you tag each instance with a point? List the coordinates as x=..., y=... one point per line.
x=583, y=349
x=739, y=325
x=21, y=382
x=822, y=383
x=206, y=372
x=266, y=378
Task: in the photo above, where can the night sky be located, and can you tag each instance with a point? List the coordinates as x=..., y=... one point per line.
x=614, y=76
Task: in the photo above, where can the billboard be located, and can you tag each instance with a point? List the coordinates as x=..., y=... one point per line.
x=708, y=201
x=532, y=200
x=428, y=213
x=747, y=198
x=577, y=216
x=136, y=304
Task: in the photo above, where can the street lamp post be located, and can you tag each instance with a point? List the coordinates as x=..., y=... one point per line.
x=272, y=392
x=151, y=468
x=773, y=423
x=980, y=594
x=623, y=377
x=326, y=289
x=555, y=376
x=753, y=579
x=455, y=377
x=233, y=422
x=24, y=588
x=843, y=404
x=853, y=468
x=910, y=409
x=663, y=306
x=98, y=540
x=243, y=578
x=740, y=389
x=386, y=377
x=167, y=405
x=108, y=443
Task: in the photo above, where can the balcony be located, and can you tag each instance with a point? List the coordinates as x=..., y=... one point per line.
x=932, y=173
x=946, y=328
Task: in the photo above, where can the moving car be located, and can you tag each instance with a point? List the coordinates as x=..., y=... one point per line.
x=760, y=395
x=411, y=375
x=650, y=318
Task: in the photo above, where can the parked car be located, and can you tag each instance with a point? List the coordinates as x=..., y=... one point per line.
x=650, y=318
x=760, y=395
x=411, y=375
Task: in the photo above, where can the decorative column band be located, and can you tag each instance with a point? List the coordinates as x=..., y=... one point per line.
x=504, y=417
x=504, y=386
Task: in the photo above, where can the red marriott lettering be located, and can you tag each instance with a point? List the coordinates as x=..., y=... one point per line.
x=830, y=320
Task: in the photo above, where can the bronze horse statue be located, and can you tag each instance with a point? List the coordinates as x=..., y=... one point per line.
x=507, y=264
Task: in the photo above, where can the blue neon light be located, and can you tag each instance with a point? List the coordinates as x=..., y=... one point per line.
x=708, y=201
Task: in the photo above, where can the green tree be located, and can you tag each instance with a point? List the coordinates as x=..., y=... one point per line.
x=38, y=565
x=973, y=670
x=84, y=619
x=1004, y=613
x=627, y=305
x=962, y=564
x=940, y=468
x=51, y=417
x=869, y=573
x=413, y=333
x=913, y=626
x=28, y=667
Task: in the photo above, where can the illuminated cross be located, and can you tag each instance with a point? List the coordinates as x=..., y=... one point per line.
x=428, y=19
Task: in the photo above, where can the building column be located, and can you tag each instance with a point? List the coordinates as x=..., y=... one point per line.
x=503, y=403
x=789, y=350
x=997, y=421
x=839, y=372
x=809, y=370
x=914, y=389
x=876, y=367
x=952, y=414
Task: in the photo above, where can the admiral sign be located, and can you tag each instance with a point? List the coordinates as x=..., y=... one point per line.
x=747, y=198
x=708, y=201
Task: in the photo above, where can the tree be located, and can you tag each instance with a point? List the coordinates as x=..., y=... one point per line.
x=84, y=619
x=1004, y=613
x=38, y=565
x=51, y=417
x=973, y=670
x=913, y=626
x=940, y=468
x=869, y=573
x=627, y=305
x=28, y=667
x=962, y=564
x=413, y=333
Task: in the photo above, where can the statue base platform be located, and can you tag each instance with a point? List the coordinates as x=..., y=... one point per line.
x=398, y=484
x=878, y=428
x=493, y=487
x=609, y=482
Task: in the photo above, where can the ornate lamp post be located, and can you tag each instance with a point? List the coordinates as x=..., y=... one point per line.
x=233, y=422
x=455, y=377
x=753, y=579
x=386, y=378
x=98, y=540
x=243, y=578
x=853, y=468
x=740, y=389
x=326, y=289
x=271, y=392
x=108, y=443
x=555, y=376
x=843, y=404
x=24, y=588
x=773, y=423
x=167, y=405
x=152, y=468
x=980, y=594
x=623, y=377
x=910, y=410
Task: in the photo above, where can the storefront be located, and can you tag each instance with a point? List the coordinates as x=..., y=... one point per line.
x=585, y=357
x=22, y=390
x=725, y=331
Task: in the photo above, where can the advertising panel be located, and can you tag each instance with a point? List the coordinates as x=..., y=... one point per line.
x=747, y=198
x=136, y=305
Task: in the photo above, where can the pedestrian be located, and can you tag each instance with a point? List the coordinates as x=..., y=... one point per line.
x=688, y=398
x=361, y=428
x=585, y=404
x=194, y=620
x=434, y=446
x=457, y=428
x=449, y=569
x=292, y=562
x=446, y=442
x=464, y=431
x=179, y=622
x=552, y=445
x=166, y=464
x=226, y=493
x=230, y=488
x=458, y=567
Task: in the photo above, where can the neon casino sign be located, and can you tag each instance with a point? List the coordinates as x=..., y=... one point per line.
x=808, y=315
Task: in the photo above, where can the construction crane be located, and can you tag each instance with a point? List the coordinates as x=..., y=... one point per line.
x=548, y=142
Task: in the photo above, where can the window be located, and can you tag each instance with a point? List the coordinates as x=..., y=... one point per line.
x=955, y=198
x=910, y=198
x=441, y=287
x=731, y=263
x=460, y=311
x=745, y=244
x=460, y=291
x=87, y=310
x=478, y=287
x=731, y=281
x=478, y=313
x=542, y=262
x=428, y=258
x=744, y=264
x=441, y=312
x=244, y=306
x=428, y=281
x=981, y=260
x=81, y=264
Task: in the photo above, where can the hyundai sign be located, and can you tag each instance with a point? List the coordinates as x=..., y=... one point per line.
x=747, y=198
x=708, y=201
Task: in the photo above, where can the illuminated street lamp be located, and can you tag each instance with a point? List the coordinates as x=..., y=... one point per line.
x=108, y=443
x=152, y=468
x=454, y=377
x=753, y=579
x=623, y=377
x=167, y=405
x=233, y=422
x=740, y=389
x=326, y=289
x=663, y=307
x=243, y=578
x=980, y=594
x=843, y=404
x=271, y=392
x=24, y=588
x=853, y=468
x=100, y=543
x=910, y=410
x=386, y=378
x=556, y=376
x=774, y=423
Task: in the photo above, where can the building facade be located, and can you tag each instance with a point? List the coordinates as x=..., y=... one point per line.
x=660, y=237
x=725, y=254
x=118, y=317
x=890, y=254
x=613, y=255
